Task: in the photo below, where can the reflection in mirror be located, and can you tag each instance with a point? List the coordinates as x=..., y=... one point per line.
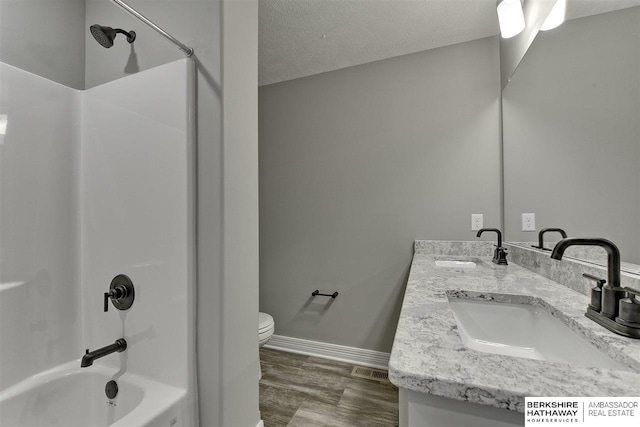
x=571, y=129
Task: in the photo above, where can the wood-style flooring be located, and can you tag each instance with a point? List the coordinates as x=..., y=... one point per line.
x=305, y=391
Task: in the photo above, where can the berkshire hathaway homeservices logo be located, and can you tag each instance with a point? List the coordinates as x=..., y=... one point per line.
x=582, y=411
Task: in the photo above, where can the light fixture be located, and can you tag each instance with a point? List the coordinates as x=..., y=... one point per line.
x=510, y=18
x=556, y=16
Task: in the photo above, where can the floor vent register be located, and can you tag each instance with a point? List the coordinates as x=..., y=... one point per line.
x=370, y=374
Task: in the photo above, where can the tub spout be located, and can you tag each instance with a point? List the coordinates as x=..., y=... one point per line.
x=119, y=346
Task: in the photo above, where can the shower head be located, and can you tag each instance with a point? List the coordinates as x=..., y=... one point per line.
x=106, y=35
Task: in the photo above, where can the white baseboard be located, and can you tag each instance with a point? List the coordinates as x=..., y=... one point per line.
x=260, y=424
x=342, y=353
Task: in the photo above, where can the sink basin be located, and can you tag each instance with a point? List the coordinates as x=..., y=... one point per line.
x=456, y=264
x=524, y=330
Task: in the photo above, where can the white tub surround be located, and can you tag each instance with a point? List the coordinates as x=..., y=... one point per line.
x=94, y=184
x=137, y=218
x=39, y=282
x=428, y=355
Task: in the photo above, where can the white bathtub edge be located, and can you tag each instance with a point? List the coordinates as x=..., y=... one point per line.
x=160, y=401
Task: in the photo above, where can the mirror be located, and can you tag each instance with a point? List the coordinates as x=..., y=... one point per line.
x=571, y=134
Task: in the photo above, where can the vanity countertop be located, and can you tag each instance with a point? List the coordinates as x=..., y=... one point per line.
x=428, y=355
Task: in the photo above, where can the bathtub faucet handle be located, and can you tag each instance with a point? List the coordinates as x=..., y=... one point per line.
x=118, y=293
x=121, y=293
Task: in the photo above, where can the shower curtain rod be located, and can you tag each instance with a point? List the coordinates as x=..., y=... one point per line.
x=188, y=51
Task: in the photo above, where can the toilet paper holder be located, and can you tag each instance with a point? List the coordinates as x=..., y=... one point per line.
x=317, y=292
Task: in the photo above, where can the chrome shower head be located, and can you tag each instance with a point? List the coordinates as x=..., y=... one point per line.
x=106, y=35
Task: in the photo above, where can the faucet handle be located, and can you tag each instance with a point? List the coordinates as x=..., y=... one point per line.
x=599, y=281
x=121, y=292
x=629, y=309
x=632, y=291
x=500, y=256
x=596, y=292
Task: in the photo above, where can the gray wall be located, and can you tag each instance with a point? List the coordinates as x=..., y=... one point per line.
x=44, y=37
x=572, y=132
x=188, y=21
x=358, y=163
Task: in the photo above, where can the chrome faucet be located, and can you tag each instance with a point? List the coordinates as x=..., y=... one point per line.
x=500, y=254
x=547, y=230
x=119, y=346
x=612, y=293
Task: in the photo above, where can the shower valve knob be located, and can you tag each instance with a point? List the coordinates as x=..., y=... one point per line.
x=121, y=293
x=115, y=294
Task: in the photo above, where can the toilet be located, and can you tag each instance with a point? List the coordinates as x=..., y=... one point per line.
x=266, y=326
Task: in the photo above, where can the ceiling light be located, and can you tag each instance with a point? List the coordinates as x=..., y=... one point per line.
x=556, y=16
x=510, y=17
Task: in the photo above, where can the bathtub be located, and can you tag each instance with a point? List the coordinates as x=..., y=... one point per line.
x=70, y=396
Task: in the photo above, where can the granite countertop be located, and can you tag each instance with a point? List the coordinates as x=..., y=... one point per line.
x=428, y=355
x=591, y=254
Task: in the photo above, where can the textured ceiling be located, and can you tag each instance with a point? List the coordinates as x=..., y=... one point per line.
x=304, y=37
x=582, y=8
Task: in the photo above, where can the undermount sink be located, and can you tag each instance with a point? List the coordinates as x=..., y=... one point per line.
x=456, y=264
x=523, y=330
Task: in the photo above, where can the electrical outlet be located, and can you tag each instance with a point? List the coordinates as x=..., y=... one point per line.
x=528, y=222
x=476, y=222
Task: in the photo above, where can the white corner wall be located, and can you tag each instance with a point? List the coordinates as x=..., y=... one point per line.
x=39, y=288
x=238, y=351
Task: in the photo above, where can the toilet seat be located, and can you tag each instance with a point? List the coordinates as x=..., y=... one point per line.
x=266, y=328
x=265, y=321
x=266, y=331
